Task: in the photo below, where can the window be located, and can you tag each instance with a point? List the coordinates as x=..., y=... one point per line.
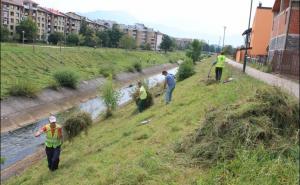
x=39, y=24
x=43, y=25
x=18, y=15
x=11, y=33
x=11, y=27
x=18, y=8
x=17, y=20
x=12, y=13
x=12, y=20
x=42, y=18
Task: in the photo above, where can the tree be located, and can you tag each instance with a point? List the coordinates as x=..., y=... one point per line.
x=73, y=39
x=212, y=48
x=81, y=39
x=83, y=27
x=90, y=38
x=114, y=36
x=104, y=38
x=29, y=27
x=146, y=46
x=195, y=50
x=55, y=37
x=166, y=43
x=4, y=34
x=228, y=50
x=127, y=42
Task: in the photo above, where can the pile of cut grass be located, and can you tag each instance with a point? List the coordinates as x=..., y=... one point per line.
x=270, y=119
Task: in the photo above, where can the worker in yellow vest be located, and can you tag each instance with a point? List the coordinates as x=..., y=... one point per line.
x=220, y=64
x=53, y=142
x=142, y=97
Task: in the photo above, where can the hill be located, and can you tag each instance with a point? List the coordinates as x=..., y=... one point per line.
x=120, y=150
x=21, y=63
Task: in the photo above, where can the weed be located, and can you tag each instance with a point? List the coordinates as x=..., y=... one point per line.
x=23, y=88
x=108, y=70
x=110, y=96
x=66, y=78
x=137, y=66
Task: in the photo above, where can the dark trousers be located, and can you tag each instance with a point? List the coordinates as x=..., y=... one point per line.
x=141, y=105
x=53, y=157
x=218, y=73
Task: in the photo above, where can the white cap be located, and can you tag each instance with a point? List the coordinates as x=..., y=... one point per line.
x=52, y=119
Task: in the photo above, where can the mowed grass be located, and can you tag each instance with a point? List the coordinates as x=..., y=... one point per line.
x=21, y=63
x=121, y=151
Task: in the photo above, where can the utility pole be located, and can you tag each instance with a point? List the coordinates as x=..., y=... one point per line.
x=23, y=37
x=219, y=44
x=247, y=38
x=224, y=37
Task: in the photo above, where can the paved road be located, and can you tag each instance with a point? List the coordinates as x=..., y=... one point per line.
x=288, y=85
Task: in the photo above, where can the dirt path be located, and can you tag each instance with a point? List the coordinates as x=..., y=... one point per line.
x=17, y=112
x=289, y=85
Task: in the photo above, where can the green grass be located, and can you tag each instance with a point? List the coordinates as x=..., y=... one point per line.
x=121, y=151
x=19, y=62
x=263, y=68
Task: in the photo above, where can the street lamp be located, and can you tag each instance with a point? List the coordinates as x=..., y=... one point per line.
x=23, y=36
x=247, y=38
x=224, y=37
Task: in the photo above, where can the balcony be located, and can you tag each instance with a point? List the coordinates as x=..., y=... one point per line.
x=26, y=6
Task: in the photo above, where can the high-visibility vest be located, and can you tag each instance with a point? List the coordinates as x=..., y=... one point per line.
x=221, y=61
x=143, y=93
x=52, y=140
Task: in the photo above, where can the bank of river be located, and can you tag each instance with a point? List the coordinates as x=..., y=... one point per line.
x=21, y=144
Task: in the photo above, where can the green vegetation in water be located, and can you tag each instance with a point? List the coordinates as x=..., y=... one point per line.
x=120, y=150
x=110, y=96
x=19, y=62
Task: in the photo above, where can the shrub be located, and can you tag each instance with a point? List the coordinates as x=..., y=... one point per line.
x=137, y=66
x=110, y=97
x=130, y=69
x=107, y=70
x=186, y=69
x=53, y=84
x=77, y=123
x=23, y=88
x=2, y=160
x=66, y=78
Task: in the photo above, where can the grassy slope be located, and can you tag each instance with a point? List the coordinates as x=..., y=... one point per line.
x=18, y=62
x=118, y=151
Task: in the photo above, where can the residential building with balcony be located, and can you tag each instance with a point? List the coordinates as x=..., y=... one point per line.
x=285, y=35
x=11, y=14
x=73, y=23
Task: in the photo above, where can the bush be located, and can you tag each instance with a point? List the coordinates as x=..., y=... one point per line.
x=77, y=123
x=110, y=97
x=107, y=70
x=186, y=69
x=53, y=84
x=23, y=88
x=66, y=78
x=130, y=69
x=137, y=66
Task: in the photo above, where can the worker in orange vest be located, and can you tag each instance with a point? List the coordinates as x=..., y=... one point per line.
x=53, y=142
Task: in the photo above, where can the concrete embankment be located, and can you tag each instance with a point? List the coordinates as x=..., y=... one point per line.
x=17, y=112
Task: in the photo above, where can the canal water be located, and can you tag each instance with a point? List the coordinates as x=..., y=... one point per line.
x=18, y=144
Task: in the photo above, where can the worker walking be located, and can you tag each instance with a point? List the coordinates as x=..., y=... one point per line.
x=220, y=64
x=169, y=84
x=53, y=142
x=142, y=94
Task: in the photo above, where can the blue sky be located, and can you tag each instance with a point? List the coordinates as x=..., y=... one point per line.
x=189, y=18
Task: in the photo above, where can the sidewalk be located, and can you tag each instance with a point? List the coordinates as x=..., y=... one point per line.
x=288, y=85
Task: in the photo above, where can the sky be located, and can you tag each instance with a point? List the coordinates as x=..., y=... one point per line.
x=197, y=19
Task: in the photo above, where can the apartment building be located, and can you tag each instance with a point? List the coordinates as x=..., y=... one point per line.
x=285, y=35
x=11, y=14
x=142, y=34
x=72, y=23
x=183, y=43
